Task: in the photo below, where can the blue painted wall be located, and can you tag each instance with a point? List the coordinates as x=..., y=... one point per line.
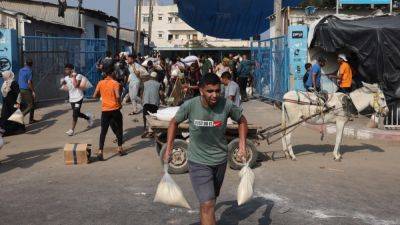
x=298, y=51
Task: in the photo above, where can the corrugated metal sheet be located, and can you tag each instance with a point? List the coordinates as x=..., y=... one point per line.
x=43, y=12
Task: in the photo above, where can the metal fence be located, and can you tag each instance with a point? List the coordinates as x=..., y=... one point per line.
x=271, y=71
x=392, y=120
x=50, y=54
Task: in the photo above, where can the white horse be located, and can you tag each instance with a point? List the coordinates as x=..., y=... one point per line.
x=299, y=105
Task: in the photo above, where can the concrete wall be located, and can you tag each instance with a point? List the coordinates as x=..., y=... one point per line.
x=89, y=24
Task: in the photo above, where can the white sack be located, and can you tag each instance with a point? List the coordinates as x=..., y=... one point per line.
x=85, y=83
x=142, y=71
x=190, y=59
x=17, y=117
x=245, y=189
x=328, y=85
x=169, y=193
x=166, y=114
x=154, y=60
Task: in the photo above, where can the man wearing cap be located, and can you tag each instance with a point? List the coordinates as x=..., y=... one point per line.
x=345, y=75
x=151, y=98
x=314, y=81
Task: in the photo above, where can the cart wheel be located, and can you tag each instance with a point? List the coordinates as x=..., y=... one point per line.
x=179, y=162
x=162, y=137
x=233, y=148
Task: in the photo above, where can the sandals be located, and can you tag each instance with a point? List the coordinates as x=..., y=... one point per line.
x=122, y=152
x=100, y=156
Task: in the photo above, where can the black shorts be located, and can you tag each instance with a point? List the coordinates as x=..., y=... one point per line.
x=206, y=180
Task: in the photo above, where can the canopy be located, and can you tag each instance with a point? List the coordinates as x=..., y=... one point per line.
x=229, y=18
x=374, y=40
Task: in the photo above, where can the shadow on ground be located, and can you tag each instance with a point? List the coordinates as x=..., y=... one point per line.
x=304, y=149
x=25, y=159
x=234, y=214
x=96, y=123
x=54, y=114
x=39, y=126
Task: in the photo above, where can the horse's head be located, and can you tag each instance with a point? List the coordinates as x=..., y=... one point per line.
x=378, y=101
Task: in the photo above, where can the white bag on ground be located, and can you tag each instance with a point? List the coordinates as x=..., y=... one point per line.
x=245, y=189
x=17, y=117
x=169, y=193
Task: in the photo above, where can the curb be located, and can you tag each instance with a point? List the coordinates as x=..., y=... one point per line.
x=360, y=134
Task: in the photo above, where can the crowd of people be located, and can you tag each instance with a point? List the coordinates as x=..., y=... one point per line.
x=148, y=82
x=145, y=82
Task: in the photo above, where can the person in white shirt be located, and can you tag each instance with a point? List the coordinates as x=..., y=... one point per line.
x=134, y=85
x=72, y=81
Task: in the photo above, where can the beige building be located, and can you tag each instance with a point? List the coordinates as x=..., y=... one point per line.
x=169, y=31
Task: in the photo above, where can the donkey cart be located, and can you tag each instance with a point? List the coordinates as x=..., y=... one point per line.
x=178, y=164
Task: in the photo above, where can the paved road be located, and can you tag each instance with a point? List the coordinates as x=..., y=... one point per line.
x=37, y=188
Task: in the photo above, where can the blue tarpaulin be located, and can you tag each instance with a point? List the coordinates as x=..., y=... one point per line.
x=229, y=18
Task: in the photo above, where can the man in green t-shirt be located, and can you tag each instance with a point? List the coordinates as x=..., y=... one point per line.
x=207, y=154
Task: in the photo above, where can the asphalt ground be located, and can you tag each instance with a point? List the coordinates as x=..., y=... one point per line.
x=37, y=188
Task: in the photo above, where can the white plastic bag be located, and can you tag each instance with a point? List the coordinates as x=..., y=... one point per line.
x=166, y=114
x=169, y=193
x=245, y=189
x=17, y=117
x=85, y=83
x=142, y=71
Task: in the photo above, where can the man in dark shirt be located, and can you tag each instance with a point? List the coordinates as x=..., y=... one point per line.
x=27, y=90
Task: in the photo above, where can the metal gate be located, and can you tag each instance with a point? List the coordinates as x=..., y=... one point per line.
x=50, y=54
x=271, y=72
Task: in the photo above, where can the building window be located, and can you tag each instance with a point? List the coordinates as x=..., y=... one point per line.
x=188, y=36
x=146, y=19
x=194, y=36
x=176, y=36
x=160, y=35
x=96, y=31
x=170, y=37
x=169, y=19
x=159, y=17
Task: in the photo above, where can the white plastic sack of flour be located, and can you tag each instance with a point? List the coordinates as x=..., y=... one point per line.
x=169, y=193
x=245, y=189
x=85, y=83
x=166, y=114
x=17, y=116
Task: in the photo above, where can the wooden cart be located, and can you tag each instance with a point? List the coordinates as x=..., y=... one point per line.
x=178, y=163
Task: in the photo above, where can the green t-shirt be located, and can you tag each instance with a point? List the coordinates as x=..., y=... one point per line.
x=207, y=126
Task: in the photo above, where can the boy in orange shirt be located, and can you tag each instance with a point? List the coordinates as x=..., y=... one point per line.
x=345, y=75
x=109, y=90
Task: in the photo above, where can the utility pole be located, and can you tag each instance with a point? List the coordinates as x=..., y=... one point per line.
x=135, y=39
x=150, y=21
x=118, y=25
x=138, y=25
x=79, y=13
x=278, y=17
